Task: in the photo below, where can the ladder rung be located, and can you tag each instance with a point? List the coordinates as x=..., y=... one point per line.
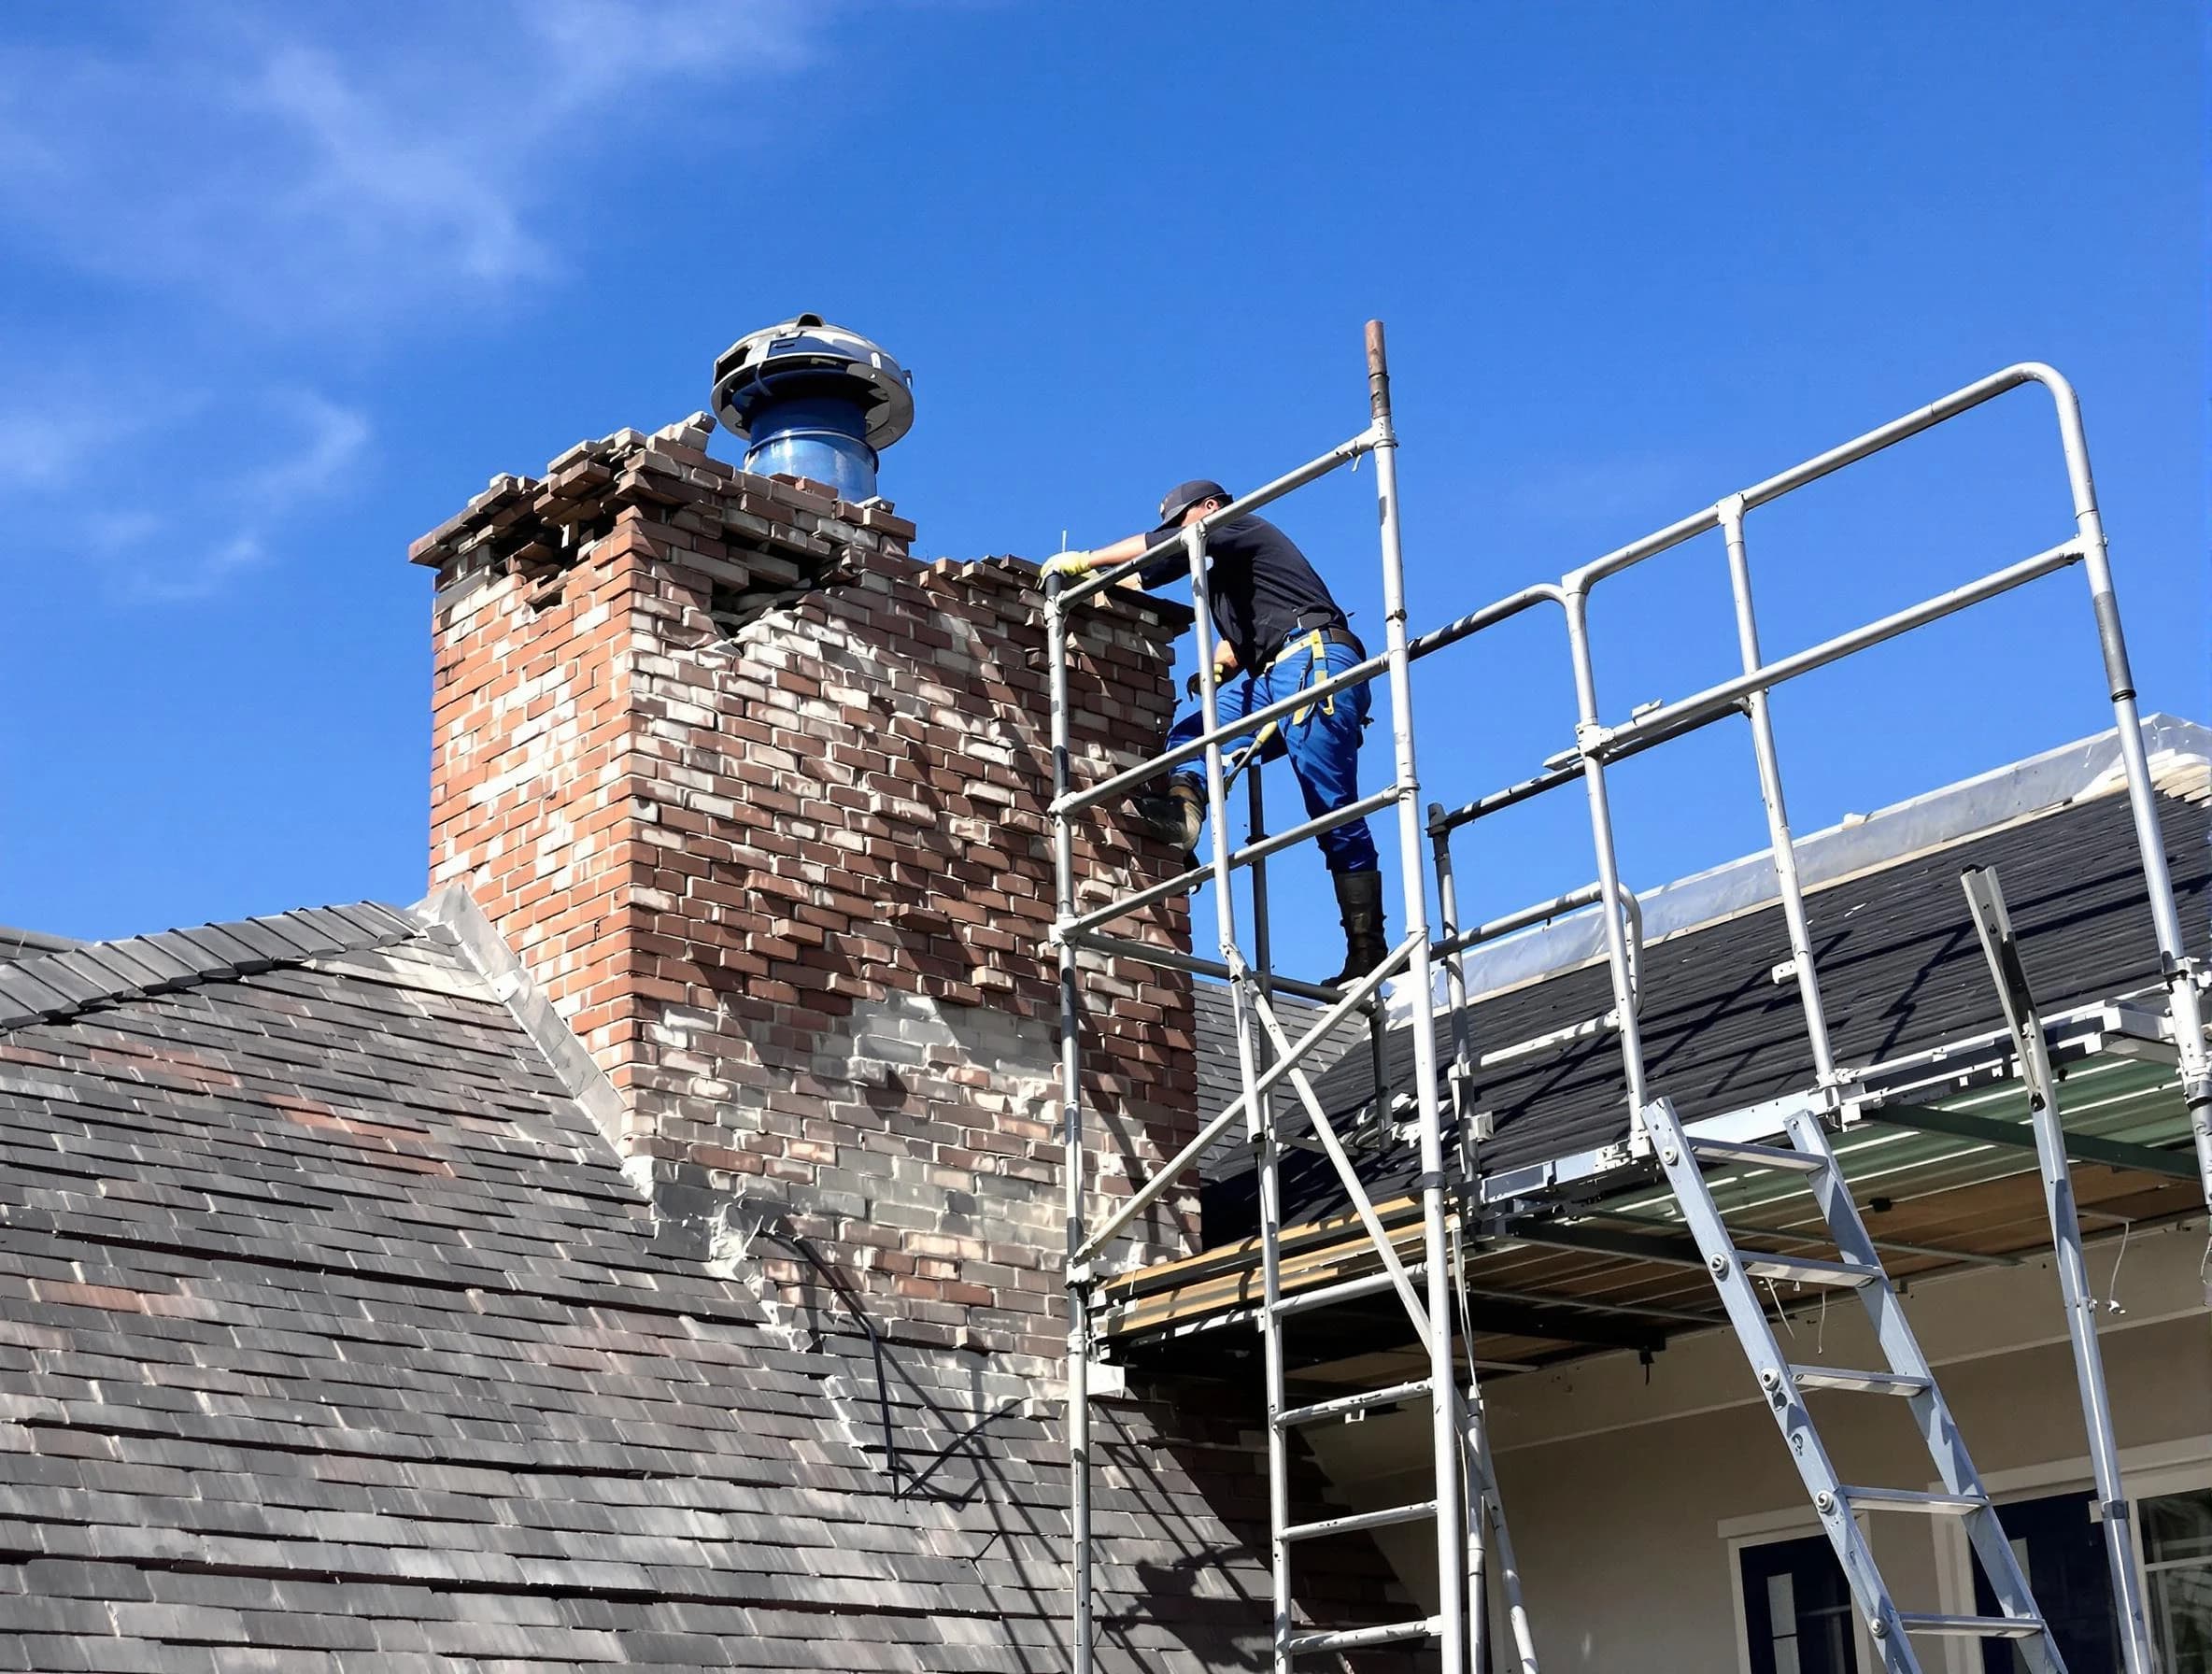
x=1907, y=1500
x=1870, y=1382
x=1755, y=1157
x=1357, y=1520
x=1356, y=1638
x=1348, y=1290
x=1805, y=1269
x=1980, y=1627
x=1352, y=1403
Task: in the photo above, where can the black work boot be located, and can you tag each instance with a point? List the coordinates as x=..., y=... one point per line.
x=1176, y=816
x=1359, y=897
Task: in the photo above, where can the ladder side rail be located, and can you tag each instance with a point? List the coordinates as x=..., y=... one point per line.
x=1985, y=900
x=1784, y=1403
x=1779, y=842
x=1071, y=1165
x=1947, y=1447
x=1444, y=1418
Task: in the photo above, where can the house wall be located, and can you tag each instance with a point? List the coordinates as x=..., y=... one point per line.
x=1623, y=1496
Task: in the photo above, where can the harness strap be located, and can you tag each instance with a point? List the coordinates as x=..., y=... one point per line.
x=1318, y=645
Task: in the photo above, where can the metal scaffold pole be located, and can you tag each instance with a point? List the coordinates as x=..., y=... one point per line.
x=2184, y=1005
x=1444, y=1418
x=1078, y=1375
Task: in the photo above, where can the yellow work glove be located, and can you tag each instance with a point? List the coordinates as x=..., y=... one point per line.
x=1070, y=566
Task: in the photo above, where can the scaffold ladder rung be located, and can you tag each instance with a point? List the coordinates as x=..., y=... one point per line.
x=1745, y=1156
x=1805, y=1270
x=1980, y=1627
x=1359, y=1639
x=1353, y=1522
x=1865, y=1383
x=1348, y=1405
x=1912, y=1499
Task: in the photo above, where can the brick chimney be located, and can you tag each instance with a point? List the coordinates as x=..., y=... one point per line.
x=758, y=801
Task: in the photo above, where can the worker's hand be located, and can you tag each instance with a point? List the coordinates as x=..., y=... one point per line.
x=1225, y=664
x=1068, y=564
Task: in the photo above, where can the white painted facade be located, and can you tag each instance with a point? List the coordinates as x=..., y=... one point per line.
x=1633, y=1497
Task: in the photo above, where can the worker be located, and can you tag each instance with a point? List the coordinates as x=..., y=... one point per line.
x=1281, y=631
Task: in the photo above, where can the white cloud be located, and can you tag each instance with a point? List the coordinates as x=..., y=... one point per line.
x=304, y=166
x=216, y=202
x=186, y=529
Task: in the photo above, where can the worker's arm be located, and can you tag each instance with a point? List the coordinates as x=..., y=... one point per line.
x=1103, y=558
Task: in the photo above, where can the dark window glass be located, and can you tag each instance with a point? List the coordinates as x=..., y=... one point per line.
x=2062, y=1553
x=1797, y=1610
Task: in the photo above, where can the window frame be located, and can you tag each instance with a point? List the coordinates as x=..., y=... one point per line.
x=2149, y=1472
x=1772, y=1529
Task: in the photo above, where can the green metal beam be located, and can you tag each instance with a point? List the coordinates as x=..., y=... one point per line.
x=2081, y=1147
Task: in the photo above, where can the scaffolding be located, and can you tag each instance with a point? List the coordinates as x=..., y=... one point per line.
x=1473, y=1551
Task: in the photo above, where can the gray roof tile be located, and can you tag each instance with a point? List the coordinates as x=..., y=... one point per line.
x=295, y=1407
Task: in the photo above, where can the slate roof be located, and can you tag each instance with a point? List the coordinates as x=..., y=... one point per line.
x=22, y=945
x=333, y=1337
x=1900, y=971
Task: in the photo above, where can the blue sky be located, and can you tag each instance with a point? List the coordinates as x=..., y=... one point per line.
x=284, y=285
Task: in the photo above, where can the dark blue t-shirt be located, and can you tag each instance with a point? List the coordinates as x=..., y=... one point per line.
x=1263, y=589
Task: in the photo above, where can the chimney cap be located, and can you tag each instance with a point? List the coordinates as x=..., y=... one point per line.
x=766, y=365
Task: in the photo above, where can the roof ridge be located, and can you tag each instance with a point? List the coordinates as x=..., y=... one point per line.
x=51, y=985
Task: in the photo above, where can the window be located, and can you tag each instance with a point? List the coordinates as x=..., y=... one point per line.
x=1799, y=1615
x=2062, y=1553
x=2177, y=1579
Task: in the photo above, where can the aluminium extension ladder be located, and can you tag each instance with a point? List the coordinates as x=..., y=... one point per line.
x=1905, y=1375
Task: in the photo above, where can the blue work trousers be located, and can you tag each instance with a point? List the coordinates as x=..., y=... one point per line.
x=1321, y=742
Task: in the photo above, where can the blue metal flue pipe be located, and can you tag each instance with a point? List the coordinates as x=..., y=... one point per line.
x=814, y=401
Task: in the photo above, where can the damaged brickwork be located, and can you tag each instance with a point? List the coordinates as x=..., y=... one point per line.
x=759, y=802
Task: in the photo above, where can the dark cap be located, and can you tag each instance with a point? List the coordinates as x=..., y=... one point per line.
x=1185, y=495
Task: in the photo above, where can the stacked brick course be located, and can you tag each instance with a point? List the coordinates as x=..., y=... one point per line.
x=759, y=800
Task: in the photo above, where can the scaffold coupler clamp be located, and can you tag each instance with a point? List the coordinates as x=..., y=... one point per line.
x=1591, y=738
x=1839, y=1094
